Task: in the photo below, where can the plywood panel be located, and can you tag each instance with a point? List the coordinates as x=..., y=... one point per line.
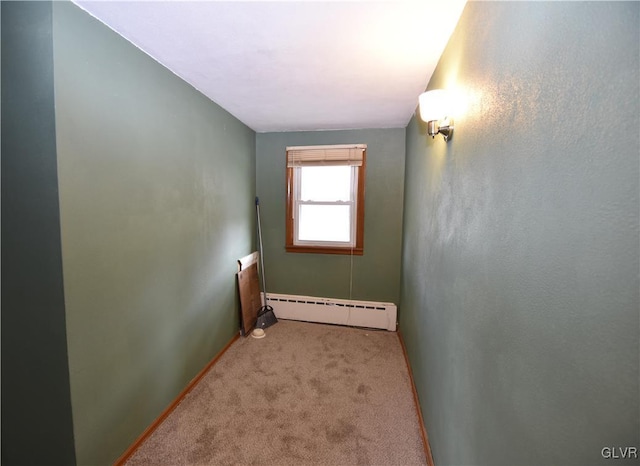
x=250, y=303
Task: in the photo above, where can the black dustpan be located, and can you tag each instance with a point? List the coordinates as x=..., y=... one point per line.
x=266, y=317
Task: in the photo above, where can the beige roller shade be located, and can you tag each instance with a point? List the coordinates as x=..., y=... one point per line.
x=349, y=154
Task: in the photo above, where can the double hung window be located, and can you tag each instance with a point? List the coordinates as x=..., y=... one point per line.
x=325, y=199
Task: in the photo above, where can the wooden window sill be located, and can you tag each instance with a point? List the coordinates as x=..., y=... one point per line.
x=325, y=250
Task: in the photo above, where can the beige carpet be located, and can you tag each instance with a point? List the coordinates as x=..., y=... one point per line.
x=304, y=394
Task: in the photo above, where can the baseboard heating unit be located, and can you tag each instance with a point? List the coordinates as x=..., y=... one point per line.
x=334, y=311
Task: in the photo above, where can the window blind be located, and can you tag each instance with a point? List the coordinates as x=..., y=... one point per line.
x=311, y=156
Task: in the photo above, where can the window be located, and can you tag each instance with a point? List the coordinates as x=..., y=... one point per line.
x=325, y=199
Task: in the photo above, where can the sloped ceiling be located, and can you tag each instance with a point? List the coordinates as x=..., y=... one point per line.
x=295, y=65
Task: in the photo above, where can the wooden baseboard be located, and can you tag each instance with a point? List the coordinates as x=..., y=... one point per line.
x=155, y=424
x=423, y=430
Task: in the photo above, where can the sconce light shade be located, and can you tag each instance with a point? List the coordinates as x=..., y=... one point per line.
x=433, y=105
x=434, y=109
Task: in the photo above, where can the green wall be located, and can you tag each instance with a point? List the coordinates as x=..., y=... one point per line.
x=520, y=305
x=375, y=276
x=157, y=188
x=36, y=407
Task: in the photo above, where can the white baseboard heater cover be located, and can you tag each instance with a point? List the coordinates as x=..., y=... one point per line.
x=334, y=311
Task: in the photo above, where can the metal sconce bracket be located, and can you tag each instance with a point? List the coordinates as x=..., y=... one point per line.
x=446, y=129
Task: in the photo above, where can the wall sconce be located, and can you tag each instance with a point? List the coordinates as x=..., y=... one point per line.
x=434, y=106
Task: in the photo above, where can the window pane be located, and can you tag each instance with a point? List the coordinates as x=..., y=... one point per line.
x=324, y=223
x=331, y=183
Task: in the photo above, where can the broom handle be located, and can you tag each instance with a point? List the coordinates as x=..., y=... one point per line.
x=264, y=287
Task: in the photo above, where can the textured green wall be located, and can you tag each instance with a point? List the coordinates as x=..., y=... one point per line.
x=36, y=407
x=157, y=187
x=375, y=276
x=520, y=305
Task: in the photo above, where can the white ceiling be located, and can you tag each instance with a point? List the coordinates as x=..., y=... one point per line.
x=295, y=65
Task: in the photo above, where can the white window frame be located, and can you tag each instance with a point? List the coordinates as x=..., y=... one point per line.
x=298, y=202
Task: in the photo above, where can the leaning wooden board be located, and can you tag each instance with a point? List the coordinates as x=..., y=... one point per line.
x=249, y=298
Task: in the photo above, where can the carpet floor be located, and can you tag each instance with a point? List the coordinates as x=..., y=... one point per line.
x=305, y=394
